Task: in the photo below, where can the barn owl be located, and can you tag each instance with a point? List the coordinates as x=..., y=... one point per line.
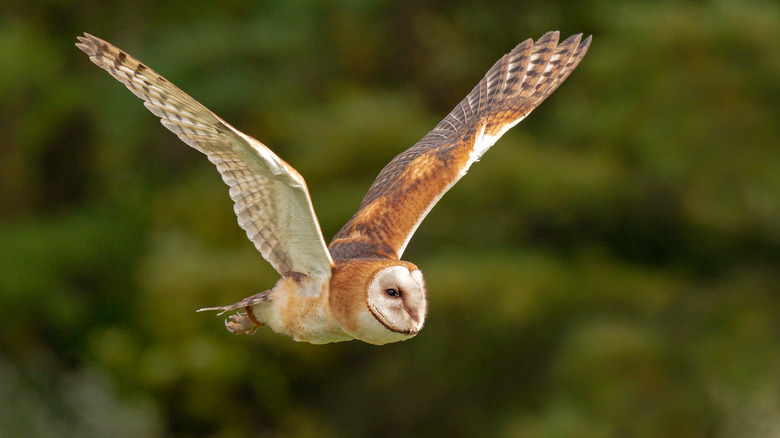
x=357, y=287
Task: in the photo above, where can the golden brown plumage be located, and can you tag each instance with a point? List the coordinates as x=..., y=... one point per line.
x=357, y=288
x=408, y=187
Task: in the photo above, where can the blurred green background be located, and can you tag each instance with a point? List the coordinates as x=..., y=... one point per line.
x=609, y=269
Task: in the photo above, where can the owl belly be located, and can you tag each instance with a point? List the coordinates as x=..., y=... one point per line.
x=300, y=314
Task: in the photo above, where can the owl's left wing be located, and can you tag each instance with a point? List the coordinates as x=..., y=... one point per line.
x=271, y=199
x=411, y=184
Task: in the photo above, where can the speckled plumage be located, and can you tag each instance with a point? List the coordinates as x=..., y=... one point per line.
x=357, y=288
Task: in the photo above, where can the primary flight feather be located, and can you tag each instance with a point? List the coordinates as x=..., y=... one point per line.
x=356, y=288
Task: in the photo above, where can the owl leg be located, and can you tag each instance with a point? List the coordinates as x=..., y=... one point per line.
x=242, y=322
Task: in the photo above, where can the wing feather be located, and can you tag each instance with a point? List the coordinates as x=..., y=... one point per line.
x=411, y=184
x=272, y=202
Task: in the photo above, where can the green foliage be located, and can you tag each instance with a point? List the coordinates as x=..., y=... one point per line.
x=609, y=268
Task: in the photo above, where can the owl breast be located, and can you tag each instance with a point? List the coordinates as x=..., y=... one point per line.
x=299, y=310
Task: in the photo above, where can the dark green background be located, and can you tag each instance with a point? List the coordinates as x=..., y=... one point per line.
x=611, y=268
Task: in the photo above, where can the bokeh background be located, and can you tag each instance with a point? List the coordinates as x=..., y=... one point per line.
x=611, y=268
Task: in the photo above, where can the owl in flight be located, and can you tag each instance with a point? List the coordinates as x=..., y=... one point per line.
x=358, y=287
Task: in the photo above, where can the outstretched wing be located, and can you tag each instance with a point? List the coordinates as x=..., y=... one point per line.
x=271, y=199
x=411, y=184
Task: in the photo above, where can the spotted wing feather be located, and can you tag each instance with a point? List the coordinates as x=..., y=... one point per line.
x=411, y=184
x=272, y=202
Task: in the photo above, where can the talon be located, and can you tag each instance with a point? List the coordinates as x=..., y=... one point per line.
x=242, y=323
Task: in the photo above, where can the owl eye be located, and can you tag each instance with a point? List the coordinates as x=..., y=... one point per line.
x=392, y=292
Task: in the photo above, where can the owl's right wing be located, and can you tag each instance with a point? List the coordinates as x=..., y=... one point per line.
x=271, y=199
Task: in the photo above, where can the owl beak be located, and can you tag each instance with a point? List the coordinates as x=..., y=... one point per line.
x=412, y=313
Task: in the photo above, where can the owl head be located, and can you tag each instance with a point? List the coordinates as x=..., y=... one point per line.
x=384, y=302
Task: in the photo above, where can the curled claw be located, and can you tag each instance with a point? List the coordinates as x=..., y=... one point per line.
x=242, y=323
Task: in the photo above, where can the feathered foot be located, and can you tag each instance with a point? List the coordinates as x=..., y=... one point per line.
x=242, y=322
